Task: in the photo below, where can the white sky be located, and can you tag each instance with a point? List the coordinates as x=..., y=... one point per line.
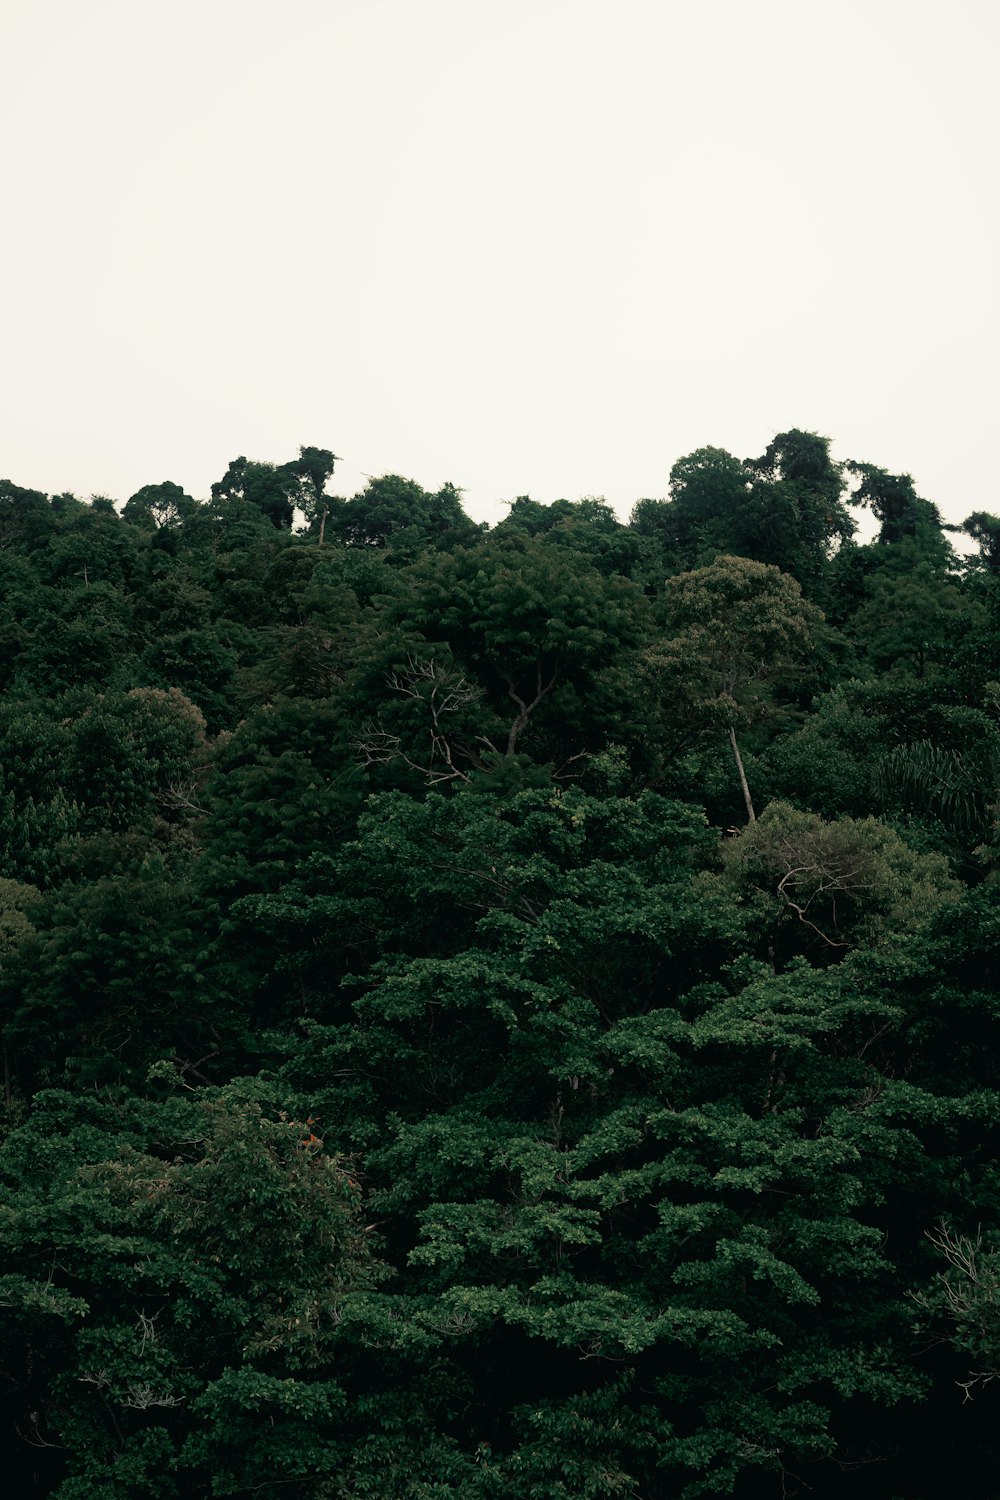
x=542, y=246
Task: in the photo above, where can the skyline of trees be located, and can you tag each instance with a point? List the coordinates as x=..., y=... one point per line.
x=499, y=1011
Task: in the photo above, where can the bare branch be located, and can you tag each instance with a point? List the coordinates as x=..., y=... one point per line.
x=442, y=693
x=542, y=689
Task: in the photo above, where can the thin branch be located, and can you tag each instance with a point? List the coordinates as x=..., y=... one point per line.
x=542, y=688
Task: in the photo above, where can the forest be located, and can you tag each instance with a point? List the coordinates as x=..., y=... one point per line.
x=502, y=1013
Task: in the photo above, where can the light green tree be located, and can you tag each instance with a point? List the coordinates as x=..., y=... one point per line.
x=731, y=628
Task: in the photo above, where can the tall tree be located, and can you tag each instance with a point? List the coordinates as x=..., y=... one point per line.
x=796, y=516
x=400, y=514
x=277, y=489
x=159, y=505
x=731, y=627
x=517, y=633
x=899, y=510
x=784, y=508
x=984, y=528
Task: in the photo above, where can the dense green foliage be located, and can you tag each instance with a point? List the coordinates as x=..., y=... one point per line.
x=500, y=1013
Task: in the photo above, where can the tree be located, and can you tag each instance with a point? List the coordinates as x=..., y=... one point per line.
x=25, y=516
x=843, y=882
x=200, y=664
x=399, y=514
x=159, y=505
x=961, y=1306
x=588, y=525
x=913, y=616
x=899, y=510
x=784, y=508
x=314, y=468
x=984, y=528
x=733, y=625
x=121, y=970
x=707, y=489
x=77, y=633
x=276, y=489
x=527, y=627
x=796, y=516
x=175, y=1276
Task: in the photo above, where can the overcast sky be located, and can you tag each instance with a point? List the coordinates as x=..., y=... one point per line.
x=542, y=246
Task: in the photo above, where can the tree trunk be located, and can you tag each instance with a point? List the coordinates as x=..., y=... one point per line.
x=737, y=757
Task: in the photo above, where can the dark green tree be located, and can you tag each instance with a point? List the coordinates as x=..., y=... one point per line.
x=171, y=1296
x=784, y=508
x=159, y=505
x=984, y=528
x=314, y=468
x=493, y=650
x=25, y=516
x=258, y=484
x=899, y=510
x=399, y=514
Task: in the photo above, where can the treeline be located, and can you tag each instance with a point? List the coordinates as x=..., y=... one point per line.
x=500, y=1012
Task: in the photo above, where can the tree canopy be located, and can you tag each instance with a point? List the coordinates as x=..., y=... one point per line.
x=499, y=1012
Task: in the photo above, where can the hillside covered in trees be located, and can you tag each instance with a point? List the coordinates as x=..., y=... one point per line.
x=500, y=1012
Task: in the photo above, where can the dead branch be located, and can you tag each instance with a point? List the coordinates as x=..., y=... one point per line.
x=542, y=689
